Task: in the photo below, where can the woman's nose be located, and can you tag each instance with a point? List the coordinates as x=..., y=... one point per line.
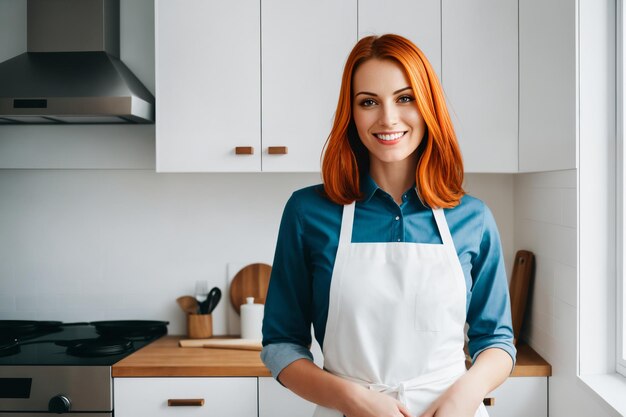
x=389, y=115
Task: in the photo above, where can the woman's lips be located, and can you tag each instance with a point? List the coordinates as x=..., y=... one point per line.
x=389, y=138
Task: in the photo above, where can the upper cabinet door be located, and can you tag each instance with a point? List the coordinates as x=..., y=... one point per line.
x=207, y=85
x=304, y=47
x=419, y=21
x=480, y=79
x=548, y=84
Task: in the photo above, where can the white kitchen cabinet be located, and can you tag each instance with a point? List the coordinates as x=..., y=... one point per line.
x=263, y=75
x=520, y=397
x=420, y=21
x=304, y=47
x=547, y=54
x=149, y=397
x=480, y=79
x=208, y=85
x=209, y=60
x=237, y=397
x=277, y=401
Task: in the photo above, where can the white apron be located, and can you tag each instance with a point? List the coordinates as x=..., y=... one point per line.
x=396, y=317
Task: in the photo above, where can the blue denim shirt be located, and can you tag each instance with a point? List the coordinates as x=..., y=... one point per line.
x=306, y=249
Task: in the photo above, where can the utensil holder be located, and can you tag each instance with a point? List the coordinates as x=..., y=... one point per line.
x=199, y=326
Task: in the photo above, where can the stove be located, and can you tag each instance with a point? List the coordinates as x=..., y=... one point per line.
x=52, y=367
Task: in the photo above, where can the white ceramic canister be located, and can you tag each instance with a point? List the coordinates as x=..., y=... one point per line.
x=252, y=320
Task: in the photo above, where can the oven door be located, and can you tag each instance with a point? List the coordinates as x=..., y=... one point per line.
x=26, y=390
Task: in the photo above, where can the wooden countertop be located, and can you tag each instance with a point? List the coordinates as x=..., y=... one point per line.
x=529, y=363
x=164, y=358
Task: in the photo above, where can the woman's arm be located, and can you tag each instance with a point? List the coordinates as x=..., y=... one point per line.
x=310, y=382
x=491, y=368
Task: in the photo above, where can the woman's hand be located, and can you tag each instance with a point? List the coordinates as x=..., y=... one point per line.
x=368, y=403
x=460, y=400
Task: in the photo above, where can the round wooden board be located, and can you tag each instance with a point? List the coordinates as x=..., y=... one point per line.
x=250, y=281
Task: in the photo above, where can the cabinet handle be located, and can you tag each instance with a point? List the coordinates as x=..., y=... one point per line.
x=489, y=401
x=244, y=150
x=185, y=402
x=277, y=150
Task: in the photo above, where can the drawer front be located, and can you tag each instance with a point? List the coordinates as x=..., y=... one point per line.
x=520, y=397
x=149, y=397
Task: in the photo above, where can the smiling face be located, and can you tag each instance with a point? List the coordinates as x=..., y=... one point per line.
x=385, y=113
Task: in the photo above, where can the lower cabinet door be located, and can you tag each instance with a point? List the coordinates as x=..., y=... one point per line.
x=277, y=401
x=520, y=397
x=156, y=397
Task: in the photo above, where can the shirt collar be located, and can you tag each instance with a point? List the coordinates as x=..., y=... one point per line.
x=369, y=187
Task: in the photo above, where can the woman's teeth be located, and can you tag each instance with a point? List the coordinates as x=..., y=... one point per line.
x=390, y=136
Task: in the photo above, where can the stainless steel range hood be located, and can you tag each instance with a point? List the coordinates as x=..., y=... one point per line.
x=71, y=72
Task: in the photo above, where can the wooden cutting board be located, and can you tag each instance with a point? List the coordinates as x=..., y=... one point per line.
x=251, y=281
x=523, y=274
x=239, y=344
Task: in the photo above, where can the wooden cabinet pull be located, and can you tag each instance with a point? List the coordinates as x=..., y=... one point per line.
x=185, y=402
x=244, y=150
x=277, y=150
x=489, y=401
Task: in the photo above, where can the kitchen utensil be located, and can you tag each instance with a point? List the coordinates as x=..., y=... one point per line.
x=523, y=274
x=202, y=289
x=213, y=297
x=188, y=304
x=251, y=281
x=238, y=344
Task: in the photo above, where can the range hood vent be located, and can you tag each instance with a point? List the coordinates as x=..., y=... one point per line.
x=71, y=72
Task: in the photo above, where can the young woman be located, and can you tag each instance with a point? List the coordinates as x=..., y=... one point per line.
x=389, y=258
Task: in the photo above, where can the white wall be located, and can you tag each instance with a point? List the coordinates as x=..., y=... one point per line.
x=123, y=244
x=546, y=224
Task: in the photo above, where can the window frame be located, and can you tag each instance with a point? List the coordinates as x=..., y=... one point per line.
x=620, y=331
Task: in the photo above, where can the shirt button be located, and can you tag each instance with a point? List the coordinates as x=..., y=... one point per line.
x=404, y=197
x=397, y=217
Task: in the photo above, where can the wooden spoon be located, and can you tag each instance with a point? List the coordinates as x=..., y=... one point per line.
x=188, y=303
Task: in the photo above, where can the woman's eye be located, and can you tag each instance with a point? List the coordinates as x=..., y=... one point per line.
x=405, y=99
x=368, y=102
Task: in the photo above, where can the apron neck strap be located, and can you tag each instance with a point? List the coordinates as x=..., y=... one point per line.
x=347, y=219
x=442, y=225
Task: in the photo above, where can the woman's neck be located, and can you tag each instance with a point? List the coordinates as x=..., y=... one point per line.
x=394, y=178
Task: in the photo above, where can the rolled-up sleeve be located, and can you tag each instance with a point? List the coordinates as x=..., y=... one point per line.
x=287, y=317
x=489, y=313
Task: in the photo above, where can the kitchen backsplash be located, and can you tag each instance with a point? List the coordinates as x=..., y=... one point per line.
x=123, y=244
x=546, y=223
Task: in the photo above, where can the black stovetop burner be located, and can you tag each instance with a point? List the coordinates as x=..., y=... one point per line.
x=98, y=347
x=57, y=343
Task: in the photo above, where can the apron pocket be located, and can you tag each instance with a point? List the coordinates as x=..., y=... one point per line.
x=428, y=313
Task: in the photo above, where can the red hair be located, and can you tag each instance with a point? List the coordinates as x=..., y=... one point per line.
x=439, y=173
